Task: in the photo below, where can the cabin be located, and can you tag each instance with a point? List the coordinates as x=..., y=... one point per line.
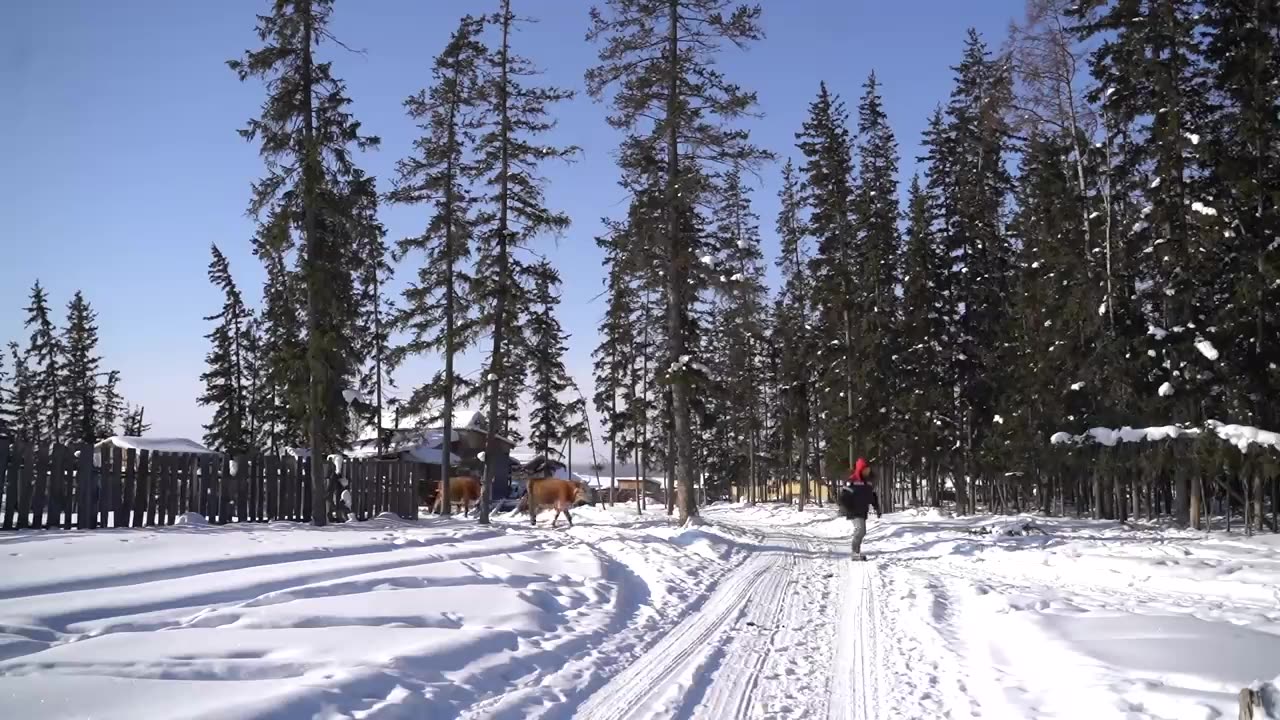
x=467, y=440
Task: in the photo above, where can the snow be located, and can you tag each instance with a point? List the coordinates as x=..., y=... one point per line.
x=707, y=260
x=1077, y=385
x=1157, y=332
x=737, y=277
x=997, y=419
x=754, y=612
x=1207, y=349
x=1203, y=209
x=349, y=396
x=1102, y=309
x=1165, y=389
x=1154, y=184
x=1193, y=138
x=154, y=444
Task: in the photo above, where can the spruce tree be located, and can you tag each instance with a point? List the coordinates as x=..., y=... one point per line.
x=1242, y=50
x=614, y=356
x=7, y=392
x=436, y=310
x=110, y=405
x=508, y=154
x=281, y=357
x=24, y=411
x=306, y=134
x=44, y=356
x=924, y=396
x=80, y=372
x=792, y=331
x=828, y=192
x=227, y=431
x=659, y=56
x=878, y=247
x=549, y=414
x=374, y=313
x=967, y=173
x=134, y=423
x=739, y=332
x=256, y=385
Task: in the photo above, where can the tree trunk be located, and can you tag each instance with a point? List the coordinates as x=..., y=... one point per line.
x=497, y=362
x=315, y=351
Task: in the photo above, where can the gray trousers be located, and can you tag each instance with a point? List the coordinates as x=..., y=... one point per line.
x=859, y=532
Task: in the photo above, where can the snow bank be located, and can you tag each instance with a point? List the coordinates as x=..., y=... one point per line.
x=1242, y=437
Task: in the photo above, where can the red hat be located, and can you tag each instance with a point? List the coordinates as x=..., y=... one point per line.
x=859, y=469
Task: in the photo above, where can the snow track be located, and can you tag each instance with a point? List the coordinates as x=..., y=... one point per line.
x=709, y=664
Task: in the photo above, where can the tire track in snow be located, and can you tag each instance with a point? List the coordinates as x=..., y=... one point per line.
x=678, y=677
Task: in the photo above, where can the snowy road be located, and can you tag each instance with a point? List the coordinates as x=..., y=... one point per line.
x=757, y=614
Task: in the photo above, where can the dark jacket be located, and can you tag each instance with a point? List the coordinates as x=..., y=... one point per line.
x=856, y=498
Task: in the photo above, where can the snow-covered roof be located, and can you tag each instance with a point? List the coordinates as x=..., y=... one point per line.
x=1240, y=436
x=472, y=420
x=156, y=445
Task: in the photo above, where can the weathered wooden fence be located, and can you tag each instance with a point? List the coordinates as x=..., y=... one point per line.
x=56, y=486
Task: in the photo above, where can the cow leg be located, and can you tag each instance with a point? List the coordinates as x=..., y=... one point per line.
x=466, y=508
x=568, y=517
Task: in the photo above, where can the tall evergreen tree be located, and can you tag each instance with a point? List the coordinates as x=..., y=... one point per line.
x=134, y=423
x=878, y=244
x=281, y=350
x=508, y=154
x=80, y=372
x=43, y=358
x=739, y=333
x=110, y=405
x=925, y=397
x=967, y=172
x=1242, y=50
x=227, y=431
x=828, y=191
x=436, y=310
x=614, y=356
x=306, y=134
x=550, y=414
x=7, y=411
x=374, y=311
x=792, y=331
x=256, y=385
x=659, y=55
x=24, y=411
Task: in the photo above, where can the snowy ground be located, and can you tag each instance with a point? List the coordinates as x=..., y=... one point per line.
x=757, y=614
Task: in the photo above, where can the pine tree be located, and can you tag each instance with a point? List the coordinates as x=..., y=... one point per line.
x=878, y=247
x=134, y=424
x=739, y=332
x=281, y=356
x=374, y=312
x=793, y=336
x=828, y=192
x=1243, y=52
x=22, y=404
x=110, y=405
x=80, y=372
x=968, y=174
x=508, y=154
x=44, y=362
x=227, y=431
x=614, y=356
x=306, y=134
x=674, y=87
x=549, y=416
x=256, y=385
x=436, y=311
x=7, y=412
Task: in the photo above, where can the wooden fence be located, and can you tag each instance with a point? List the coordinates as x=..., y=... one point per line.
x=56, y=486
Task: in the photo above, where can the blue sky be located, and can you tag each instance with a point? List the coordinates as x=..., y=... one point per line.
x=123, y=162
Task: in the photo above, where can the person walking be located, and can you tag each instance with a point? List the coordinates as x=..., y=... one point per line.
x=856, y=498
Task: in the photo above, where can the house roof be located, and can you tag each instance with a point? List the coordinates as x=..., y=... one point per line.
x=156, y=445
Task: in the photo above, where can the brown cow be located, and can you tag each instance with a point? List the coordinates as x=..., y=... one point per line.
x=463, y=490
x=551, y=491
